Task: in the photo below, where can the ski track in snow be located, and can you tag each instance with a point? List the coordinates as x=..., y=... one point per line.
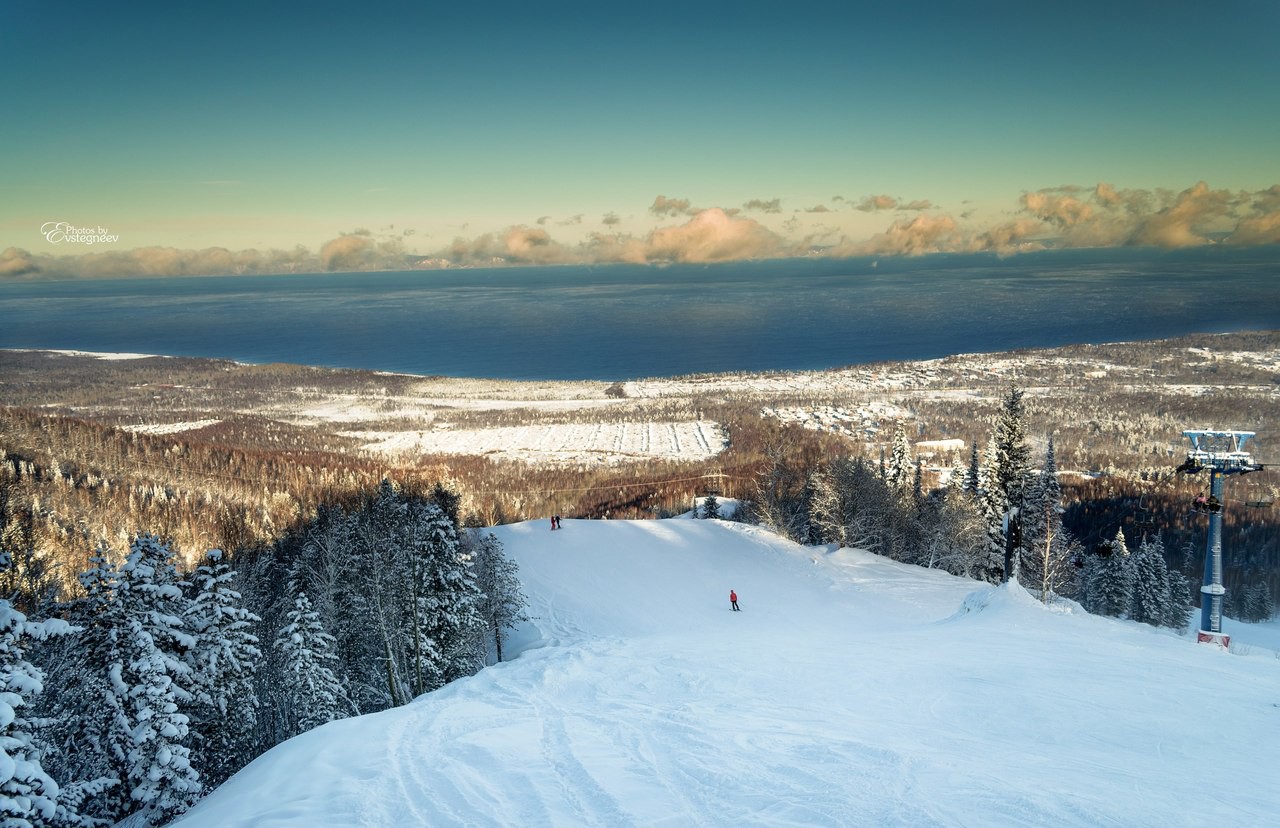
x=850, y=691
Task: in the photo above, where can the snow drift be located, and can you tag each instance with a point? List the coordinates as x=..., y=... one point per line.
x=850, y=691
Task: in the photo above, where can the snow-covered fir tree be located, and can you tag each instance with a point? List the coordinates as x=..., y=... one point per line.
x=337, y=569
x=993, y=506
x=1003, y=478
x=1258, y=603
x=312, y=693
x=710, y=507
x=1047, y=548
x=28, y=795
x=973, y=479
x=87, y=749
x=956, y=479
x=150, y=683
x=1108, y=579
x=1179, y=601
x=373, y=620
x=1150, y=598
x=898, y=472
x=502, y=603
x=224, y=660
x=1013, y=455
x=397, y=594
x=446, y=600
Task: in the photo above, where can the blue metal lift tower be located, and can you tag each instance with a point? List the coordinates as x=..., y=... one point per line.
x=1220, y=453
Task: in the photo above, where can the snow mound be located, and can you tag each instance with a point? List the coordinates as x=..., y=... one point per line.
x=637, y=697
x=1007, y=598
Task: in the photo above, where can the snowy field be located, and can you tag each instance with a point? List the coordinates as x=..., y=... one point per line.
x=559, y=443
x=401, y=417
x=169, y=428
x=849, y=691
x=863, y=422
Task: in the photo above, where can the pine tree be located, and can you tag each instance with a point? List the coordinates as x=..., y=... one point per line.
x=898, y=473
x=224, y=659
x=384, y=584
x=1002, y=480
x=502, y=604
x=1258, y=603
x=446, y=601
x=80, y=711
x=29, y=580
x=711, y=507
x=338, y=569
x=449, y=502
x=1047, y=547
x=1266, y=602
x=1109, y=579
x=150, y=683
x=993, y=506
x=311, y=692
x=972, y=480
x=1179, y=601
x=1150, y=599
x=28, y=796
x=955, y=480
x=1013, y=455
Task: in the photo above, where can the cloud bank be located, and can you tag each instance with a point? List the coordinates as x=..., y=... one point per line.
x=1065, y=217
x=664, y=207
x=711, y=235
x=876, y=203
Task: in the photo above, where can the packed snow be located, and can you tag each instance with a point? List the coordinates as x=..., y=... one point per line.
x=850, y=690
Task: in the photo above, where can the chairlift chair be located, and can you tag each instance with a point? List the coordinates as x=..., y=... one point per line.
x=1144, y=515
x=1259, y=498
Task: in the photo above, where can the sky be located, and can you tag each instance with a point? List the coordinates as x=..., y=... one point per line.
x=850, y=690
x=587, y=128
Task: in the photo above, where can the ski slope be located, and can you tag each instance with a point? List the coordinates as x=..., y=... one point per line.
x=850, y=691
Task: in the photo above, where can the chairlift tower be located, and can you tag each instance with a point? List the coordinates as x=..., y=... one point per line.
x=1221, y=453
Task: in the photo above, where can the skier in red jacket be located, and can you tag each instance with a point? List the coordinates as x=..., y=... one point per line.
x=733, y=599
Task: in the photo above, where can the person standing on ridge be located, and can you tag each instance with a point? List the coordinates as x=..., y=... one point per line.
x=733, y=599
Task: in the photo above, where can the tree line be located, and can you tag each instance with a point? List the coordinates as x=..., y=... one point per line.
x=147, y=686
x=997, y=518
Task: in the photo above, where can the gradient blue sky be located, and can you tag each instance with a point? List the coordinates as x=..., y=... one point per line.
x=254, y=125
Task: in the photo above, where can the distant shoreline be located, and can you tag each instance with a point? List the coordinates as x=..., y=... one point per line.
x=710, y=378
x=626, y=321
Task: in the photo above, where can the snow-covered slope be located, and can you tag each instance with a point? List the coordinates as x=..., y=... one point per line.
x=849, y=691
